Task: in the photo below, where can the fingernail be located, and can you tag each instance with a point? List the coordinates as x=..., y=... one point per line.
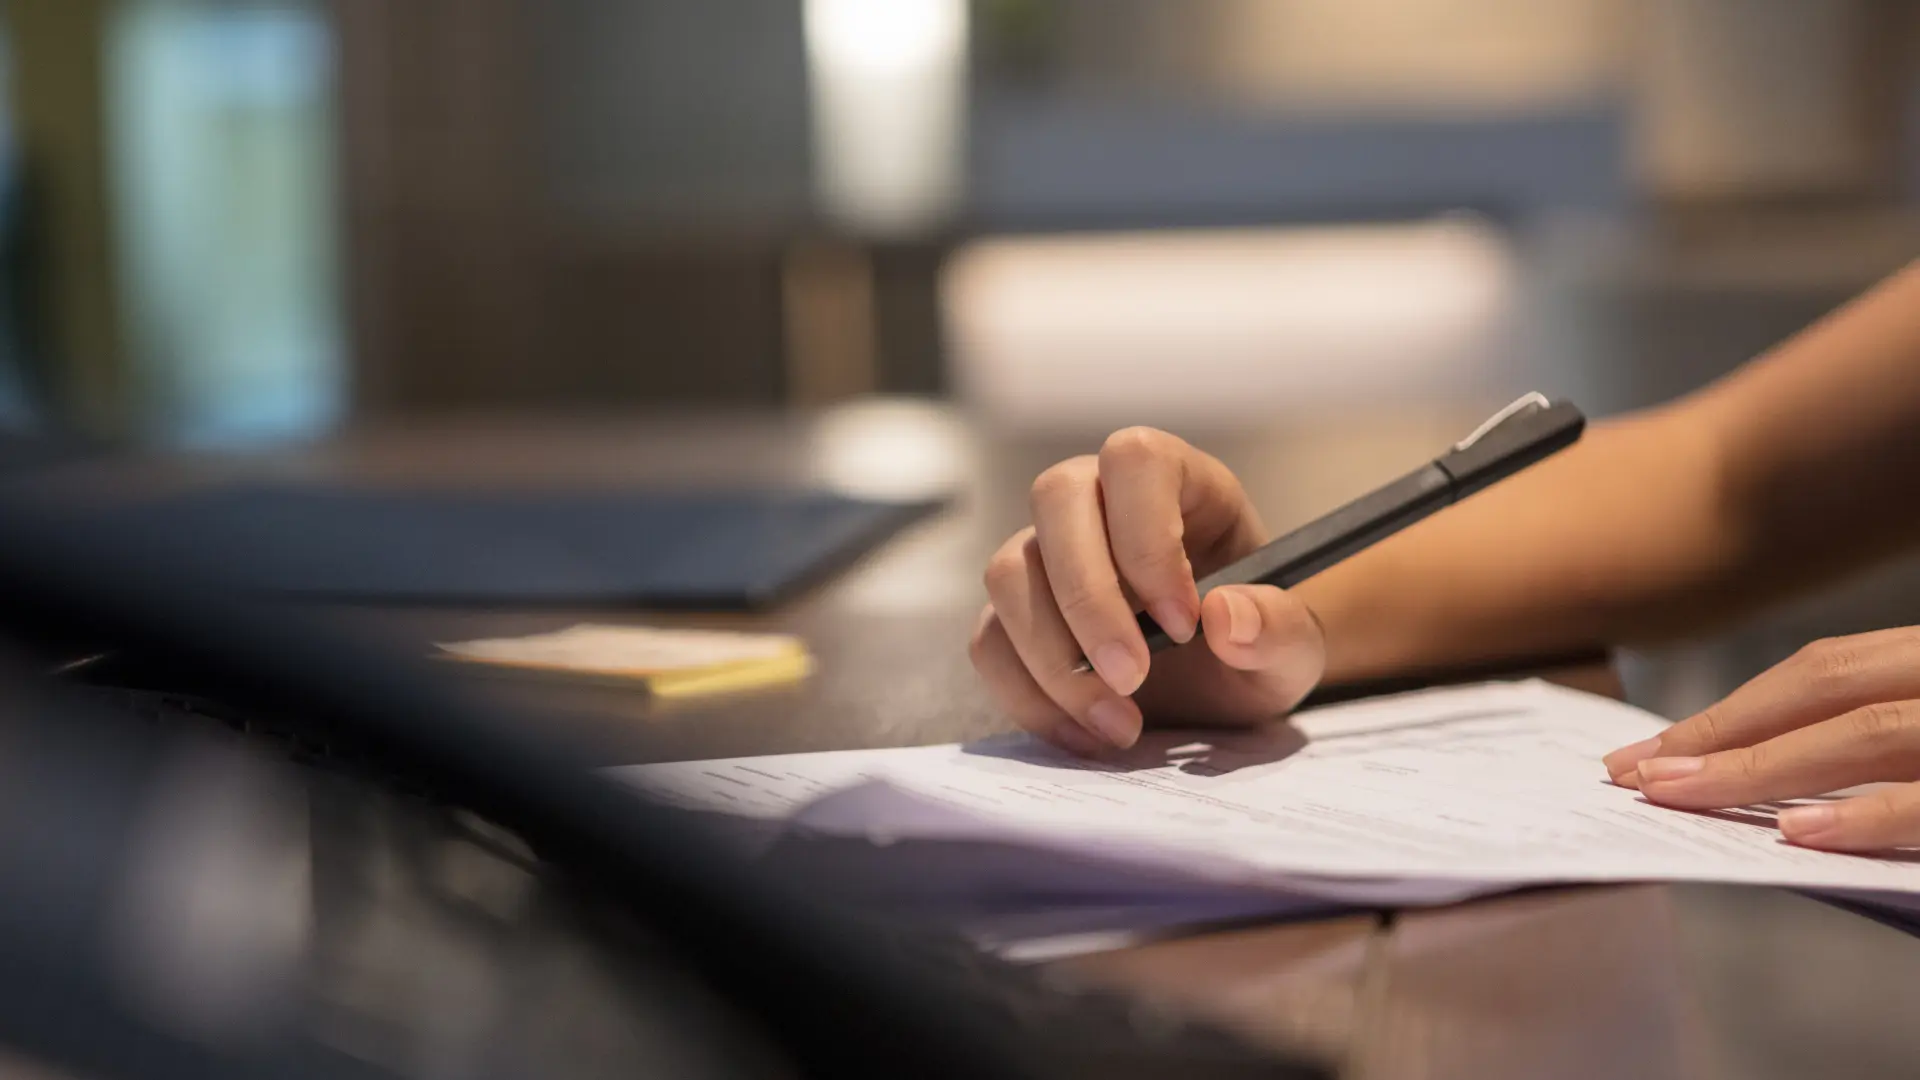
x=1625, y=759
x=1243, y=619
x=1116, y=665
x=1803, y=822
x=1175, y=619
x=1670, y=768
x=1077, y=739
x=1115, y=722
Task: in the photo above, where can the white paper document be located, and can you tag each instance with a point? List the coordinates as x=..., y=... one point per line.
x=1419, y=798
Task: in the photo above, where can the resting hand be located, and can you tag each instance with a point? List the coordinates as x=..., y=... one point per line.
x=1836, y=714
x=1125, y=531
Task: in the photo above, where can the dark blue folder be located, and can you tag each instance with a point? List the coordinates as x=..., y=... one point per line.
x=704, y=549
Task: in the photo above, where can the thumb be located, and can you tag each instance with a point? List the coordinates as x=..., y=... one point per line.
x=1270, y=635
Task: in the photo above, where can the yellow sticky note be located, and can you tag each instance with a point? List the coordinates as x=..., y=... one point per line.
x=668, y=662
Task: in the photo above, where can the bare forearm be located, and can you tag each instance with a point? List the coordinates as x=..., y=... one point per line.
x=1662, y=524
x=1589, y=547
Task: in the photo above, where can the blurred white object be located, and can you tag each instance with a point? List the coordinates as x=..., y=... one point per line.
x=889, y=450
x=1227, y=328
x=888, y=81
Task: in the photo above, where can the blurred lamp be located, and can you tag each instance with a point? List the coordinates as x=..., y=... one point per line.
x=888, y=81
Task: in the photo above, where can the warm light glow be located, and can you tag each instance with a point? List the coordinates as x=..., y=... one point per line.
x=1225, y=327
x=885, y=35
x=888, y=82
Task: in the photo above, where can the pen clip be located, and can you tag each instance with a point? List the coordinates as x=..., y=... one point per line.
x=1526, y=402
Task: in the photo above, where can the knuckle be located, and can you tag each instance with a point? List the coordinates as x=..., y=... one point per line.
x=1002, y=570
x=980, y=644
x=1707, y=730
x=1152, y=558
x=1830, y=663
x=1008, y=567
x=1065, y=480
x=1880, y=723
x=1751, y=764
x=1080, y=599
x=1134, y=446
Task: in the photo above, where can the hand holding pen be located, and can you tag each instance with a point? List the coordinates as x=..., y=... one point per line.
x=1155, y=526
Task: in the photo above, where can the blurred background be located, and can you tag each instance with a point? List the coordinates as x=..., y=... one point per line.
x=954, y=240
x=251, y=224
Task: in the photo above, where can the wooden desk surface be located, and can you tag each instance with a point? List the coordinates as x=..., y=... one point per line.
x=1644, y=981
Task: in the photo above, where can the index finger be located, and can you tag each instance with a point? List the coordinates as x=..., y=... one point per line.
x=1876, y=743
x=1822, y=680
x=1070, y=525
x=1148, y=485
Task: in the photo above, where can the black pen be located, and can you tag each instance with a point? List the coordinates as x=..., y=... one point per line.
x=1517, y=436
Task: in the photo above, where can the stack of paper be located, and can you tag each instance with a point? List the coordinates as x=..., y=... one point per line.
x=1416, y=799
x=667, y=662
